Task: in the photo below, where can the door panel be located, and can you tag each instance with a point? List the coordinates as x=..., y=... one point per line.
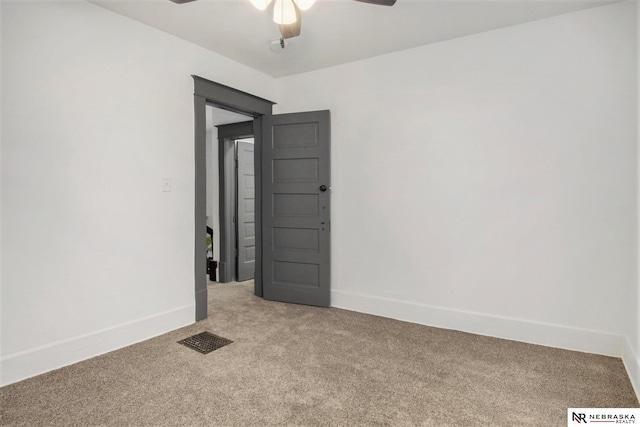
x=295, y=170
x=293, y=135
x=295, y=205
x=296, y=212
x=246, y=212
x=296, y=239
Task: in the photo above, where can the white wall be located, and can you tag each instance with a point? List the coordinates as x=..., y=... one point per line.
x=488, y=183
x=632, y=359
x=96, y=109
x=1, y=191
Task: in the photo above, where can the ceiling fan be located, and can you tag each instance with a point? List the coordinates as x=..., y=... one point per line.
x=286, y=13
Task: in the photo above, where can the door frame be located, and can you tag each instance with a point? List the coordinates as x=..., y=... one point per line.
x=227, y=134
x=227, y=98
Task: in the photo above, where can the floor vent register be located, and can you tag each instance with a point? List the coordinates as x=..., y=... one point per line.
x=205, y=342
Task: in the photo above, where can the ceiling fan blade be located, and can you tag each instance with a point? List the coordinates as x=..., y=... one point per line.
x=379, y=2
x=292, y=30
x=181, y=1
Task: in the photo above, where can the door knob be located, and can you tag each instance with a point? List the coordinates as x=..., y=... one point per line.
x=323, y=188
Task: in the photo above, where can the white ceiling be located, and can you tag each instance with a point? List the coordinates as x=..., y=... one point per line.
x=333, y=31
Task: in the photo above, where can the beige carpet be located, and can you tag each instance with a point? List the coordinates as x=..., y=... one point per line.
x=294, y=365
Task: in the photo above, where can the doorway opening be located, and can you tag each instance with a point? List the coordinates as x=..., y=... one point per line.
x=230, y=194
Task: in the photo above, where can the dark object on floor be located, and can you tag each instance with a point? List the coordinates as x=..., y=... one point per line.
x=212, y=267
x=205, y=342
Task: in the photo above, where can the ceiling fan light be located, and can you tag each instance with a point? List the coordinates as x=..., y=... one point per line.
x=260, y=4
x=304, y=4
x=284, y=12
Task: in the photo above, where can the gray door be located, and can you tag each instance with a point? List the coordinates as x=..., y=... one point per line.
x=246, y=234
x=296, y=209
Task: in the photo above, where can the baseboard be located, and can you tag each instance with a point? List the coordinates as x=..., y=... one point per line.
x=550, y=335
x=631, y=361
x=25, y=364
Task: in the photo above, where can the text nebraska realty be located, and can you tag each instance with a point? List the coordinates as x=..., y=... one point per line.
x=606, y=418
